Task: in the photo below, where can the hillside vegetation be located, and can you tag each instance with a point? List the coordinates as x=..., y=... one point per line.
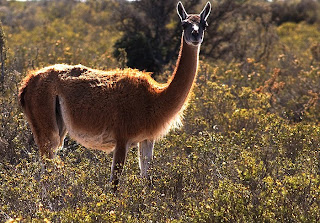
x=249, y=149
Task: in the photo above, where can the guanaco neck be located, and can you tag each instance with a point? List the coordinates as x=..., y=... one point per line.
x=175, y=94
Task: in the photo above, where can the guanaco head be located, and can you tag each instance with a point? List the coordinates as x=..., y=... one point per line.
x=194, y=25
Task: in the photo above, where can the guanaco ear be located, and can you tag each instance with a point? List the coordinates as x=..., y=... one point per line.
x=181, y=11
x=205, y=12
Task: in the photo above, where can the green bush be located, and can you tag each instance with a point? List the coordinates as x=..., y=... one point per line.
x=249, y=149
x=241, y=163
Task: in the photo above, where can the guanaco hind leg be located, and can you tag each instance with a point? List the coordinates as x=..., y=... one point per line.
x=42, y=115
x=61, y=126
x=145, y=156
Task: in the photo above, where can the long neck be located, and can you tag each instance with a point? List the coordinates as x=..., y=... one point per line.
x=175, y=94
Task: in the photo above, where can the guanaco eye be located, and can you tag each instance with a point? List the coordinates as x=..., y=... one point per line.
x=184, y=24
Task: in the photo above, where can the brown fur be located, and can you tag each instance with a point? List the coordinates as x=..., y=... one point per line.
x=106, y=110
x=127, y=103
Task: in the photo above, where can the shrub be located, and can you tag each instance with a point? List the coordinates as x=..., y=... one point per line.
x=248, y=150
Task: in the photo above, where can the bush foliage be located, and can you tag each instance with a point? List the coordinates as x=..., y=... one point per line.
x=249, y=149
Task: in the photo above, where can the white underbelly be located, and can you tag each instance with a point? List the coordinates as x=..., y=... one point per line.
x=103, y=141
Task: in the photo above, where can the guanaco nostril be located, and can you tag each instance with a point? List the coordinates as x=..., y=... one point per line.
x=194, y=32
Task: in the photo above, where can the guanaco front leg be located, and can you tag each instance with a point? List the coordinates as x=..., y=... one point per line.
x=119, y=158
x=145, y=156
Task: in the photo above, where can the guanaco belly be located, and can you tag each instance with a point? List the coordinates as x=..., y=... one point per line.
x=104, y=141
x=101, y=139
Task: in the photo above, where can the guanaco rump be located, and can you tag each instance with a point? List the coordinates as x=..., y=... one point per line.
x=112, y=110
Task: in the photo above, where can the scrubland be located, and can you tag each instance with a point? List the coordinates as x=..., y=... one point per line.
x=249, y=148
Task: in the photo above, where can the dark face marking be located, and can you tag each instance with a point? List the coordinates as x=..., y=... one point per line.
x=194, y=25
x=193, y=29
